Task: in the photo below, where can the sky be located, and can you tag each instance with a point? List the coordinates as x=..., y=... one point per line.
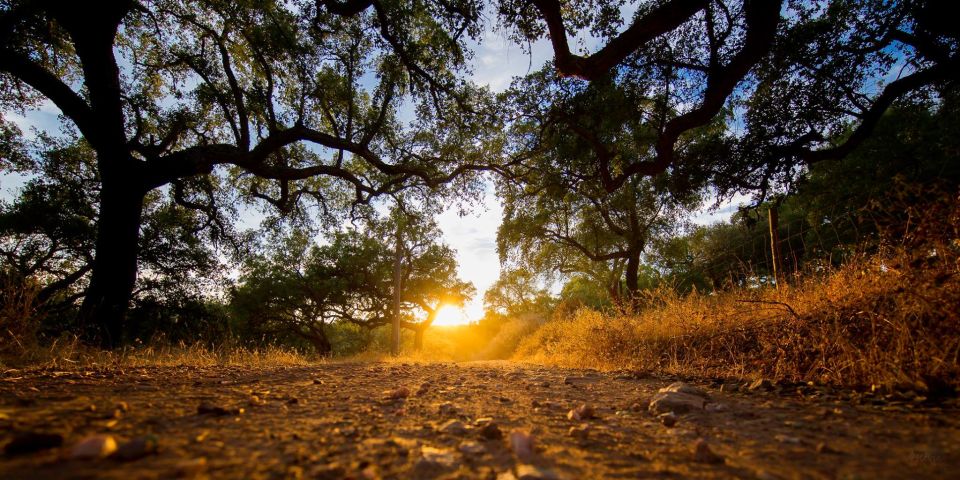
x=496, y=62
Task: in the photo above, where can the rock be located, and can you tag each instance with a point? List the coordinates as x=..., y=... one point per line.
x=122, y=406
x=676, y=402
x=730, y=387
x=522, y=444
x=137, y=448
x=33, y=442
x=491, y=431
x=680, y=387
x=396, y=394
x=447, y=408
x=668, y=419
x=471, y=447
x=704, y=454
x=761, y=384
x=96, y=446
x=788, y=439
x=256, y=401
x=531, y=472
x=453, y=427
x=715, y=407
x=823, y=448
x=423, y=389
x=506, y=476
x=581, y=432
x=217, y=410
x=432, y=459
x=583, y=412
x=191, y=467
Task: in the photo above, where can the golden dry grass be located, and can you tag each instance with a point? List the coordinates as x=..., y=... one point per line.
x=887, y=319
x=69, y=352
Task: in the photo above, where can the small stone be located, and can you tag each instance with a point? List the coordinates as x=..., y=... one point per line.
x=137, y=448
x=33, y=442
x=579, y=432
x=491, y=431
x=447, y=408
x=97, y=446
x=823, y=448
x=668, y=419
x=471, y=447
x=438, y=457
x=761, y=384
x=583, y=412
x=680, y=387
x=423, y=389
x=122, y=406
x=715, y=407
x=531, y=472
x=522, y=443
x=704, y=454
x=453, y=427
x=257, y=401
x=676, y=402
x=191, y=467
x=787, y=439
x=397, y=393
x=217, y=410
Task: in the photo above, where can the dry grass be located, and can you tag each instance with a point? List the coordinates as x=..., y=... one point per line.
x=68, y=353
x=887, y=319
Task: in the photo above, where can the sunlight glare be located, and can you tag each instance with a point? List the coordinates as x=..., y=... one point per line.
x=451, y=315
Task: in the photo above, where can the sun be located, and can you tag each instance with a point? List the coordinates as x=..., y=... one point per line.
x=451, y=315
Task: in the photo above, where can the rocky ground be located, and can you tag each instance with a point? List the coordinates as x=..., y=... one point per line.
x=476, y=420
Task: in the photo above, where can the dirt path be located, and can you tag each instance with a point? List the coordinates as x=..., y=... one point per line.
x=431, y=421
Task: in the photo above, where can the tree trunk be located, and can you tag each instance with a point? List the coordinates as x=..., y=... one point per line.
x=104, y=309
x=632, y=275
x=418, y=338
x=321, y=343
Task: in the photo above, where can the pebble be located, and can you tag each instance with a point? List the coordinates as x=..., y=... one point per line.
x=532, y=472
x=704, y=454
x=581, y=432
x=437, y=457
x=583, y=412
x=96, y=446
x=491, y=431
x=217, y=410
x=137, y=448
x=191, y=467
x=453, y=427
x=471, y=447
x=522, y=444
x=397, y=393
x=668, y=419
x=33, y=442
x=761, y=384
x=680, y=387
x=676, y=402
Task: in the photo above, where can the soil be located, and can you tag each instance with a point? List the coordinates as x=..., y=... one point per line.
x=393, y=420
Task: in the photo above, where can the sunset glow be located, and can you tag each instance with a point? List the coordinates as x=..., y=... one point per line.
x=450, y=315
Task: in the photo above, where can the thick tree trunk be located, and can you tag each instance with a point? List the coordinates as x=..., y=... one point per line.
x=321, y=343
x=632, y=275
x=418, y=339
x=104, y=309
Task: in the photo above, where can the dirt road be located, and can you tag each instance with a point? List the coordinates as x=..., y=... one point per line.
x=386, y=420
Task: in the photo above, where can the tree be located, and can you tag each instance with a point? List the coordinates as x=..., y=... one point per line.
x=193, y=96
x=47, y=234
x=791, y=74
x=303, y=289
x=558, y=217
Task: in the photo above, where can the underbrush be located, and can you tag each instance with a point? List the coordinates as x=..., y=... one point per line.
x=887, y=319
x=69, y=352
